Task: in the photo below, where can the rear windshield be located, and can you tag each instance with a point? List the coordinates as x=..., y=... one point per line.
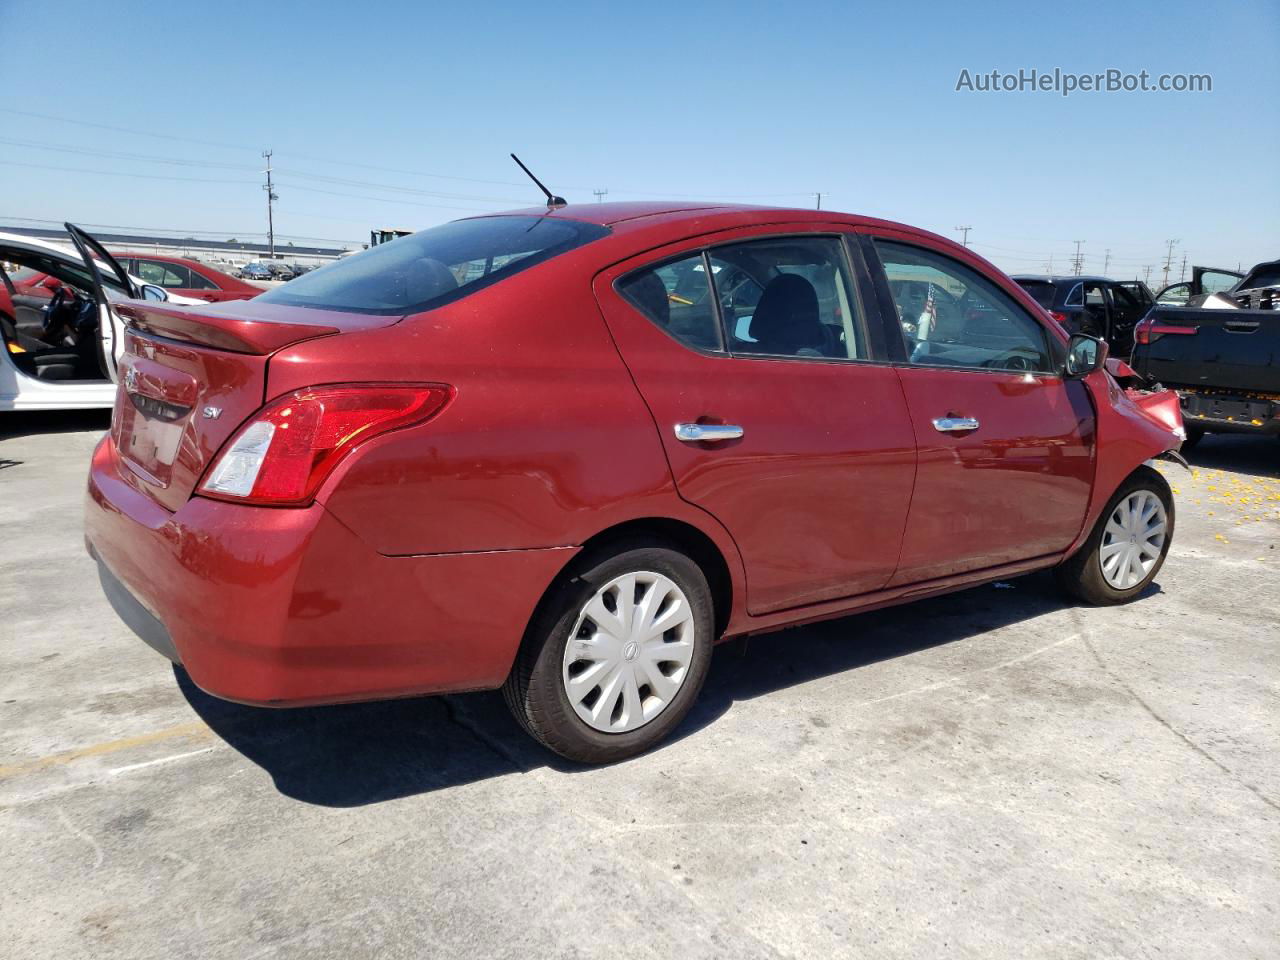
x=434, y=267
x=1262, y=276
x=1041, y=291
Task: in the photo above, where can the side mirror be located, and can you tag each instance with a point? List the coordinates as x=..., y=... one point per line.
x=1085, y=354
x=151, y=292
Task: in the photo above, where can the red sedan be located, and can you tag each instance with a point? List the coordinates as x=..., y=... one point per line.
x=564, y=452
x=187, y=278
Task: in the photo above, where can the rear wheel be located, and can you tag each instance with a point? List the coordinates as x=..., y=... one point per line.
x=615, y=660
x=1128, y=544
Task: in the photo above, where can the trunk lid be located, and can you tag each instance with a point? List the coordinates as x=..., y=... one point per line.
x=191, y=376
x=1227, y=349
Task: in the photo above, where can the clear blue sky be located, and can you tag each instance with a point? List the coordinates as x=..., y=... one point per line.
x=763, y=102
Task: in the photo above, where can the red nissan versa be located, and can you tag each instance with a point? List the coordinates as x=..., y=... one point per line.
x=563, y=452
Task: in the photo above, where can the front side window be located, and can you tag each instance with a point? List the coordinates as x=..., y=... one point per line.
x=676, y=296
x=952, y=316
x=788, y=297
x=436, y=266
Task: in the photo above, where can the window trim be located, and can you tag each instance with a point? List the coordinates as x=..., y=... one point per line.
x=889, y=314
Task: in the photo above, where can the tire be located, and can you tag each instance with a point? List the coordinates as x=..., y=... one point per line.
x=1096, y=573
x=632, y=714
x=1194, y=436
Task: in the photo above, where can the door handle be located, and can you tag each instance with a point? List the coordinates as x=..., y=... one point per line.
x=954, y=424
x=707, y=432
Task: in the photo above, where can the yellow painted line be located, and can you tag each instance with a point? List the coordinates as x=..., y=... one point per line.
x=194, y=731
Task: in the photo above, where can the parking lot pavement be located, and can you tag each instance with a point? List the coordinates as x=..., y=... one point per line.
x=995, y=773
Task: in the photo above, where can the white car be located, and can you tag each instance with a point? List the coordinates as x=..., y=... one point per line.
x=61, y=345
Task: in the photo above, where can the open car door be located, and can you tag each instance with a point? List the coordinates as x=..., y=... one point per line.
x=110, y=326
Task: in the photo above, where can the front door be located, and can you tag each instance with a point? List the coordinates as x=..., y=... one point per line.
x=1005, y=445
x=776, y=419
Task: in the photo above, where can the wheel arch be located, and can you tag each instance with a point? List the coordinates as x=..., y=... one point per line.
x=689, y=539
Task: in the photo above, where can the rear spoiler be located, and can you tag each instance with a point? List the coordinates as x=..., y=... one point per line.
x=235, y=334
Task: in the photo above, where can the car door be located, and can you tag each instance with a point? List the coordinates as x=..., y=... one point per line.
x=752, y=353
x=1005, y=445
x=1126, y=311
x=120, y=285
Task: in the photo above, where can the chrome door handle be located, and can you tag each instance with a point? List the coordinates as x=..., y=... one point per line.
x=707, y=432
x=954, y=424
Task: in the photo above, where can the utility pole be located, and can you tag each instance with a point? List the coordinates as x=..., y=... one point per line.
x=818, y=196
x=601, y=194
x=1106, y=262
x=1168, y=260
x=1182, y=274
x=1049, y=269
x=271, y=199
x=1146, y=276
x=964, y=232
x=1079, y=261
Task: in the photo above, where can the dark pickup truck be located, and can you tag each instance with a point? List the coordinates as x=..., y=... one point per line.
x=1222, y=358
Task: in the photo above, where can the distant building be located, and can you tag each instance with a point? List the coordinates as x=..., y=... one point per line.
x=206, y=251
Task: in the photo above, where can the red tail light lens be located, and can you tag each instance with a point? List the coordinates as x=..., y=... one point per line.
x=1059, y=318
x=283, y=455
x=1149, y=331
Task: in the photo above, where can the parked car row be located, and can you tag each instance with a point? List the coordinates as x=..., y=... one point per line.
x=272, y=270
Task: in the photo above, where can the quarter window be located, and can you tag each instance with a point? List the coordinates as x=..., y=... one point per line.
x=677, y=297
x=952, y=316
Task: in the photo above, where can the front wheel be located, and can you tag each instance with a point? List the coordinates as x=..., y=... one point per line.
x=1127, y=546
x=617, y=656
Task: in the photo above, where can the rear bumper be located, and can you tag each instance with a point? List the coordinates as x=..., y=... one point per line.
x=282, y=607
x=1229, y=413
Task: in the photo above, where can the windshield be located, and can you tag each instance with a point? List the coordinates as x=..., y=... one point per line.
x=1041, y=291
x=435, y=266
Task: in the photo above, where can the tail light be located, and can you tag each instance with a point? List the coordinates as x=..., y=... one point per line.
x=283, y=455
x=1059, y=318
x=1149, y=330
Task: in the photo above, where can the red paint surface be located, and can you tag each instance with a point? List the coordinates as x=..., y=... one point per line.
x=420, y=563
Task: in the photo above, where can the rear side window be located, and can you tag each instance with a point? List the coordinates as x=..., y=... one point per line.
x=1041, y=291
x=676, y=296
x=435, y=266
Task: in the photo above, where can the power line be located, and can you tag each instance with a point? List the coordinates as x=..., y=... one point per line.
x=117, y=173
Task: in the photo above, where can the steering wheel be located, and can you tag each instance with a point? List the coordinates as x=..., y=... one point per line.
x=1013, y=361
x=53, y=309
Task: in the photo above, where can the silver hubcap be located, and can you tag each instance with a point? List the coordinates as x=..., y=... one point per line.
x=629, y=652
x=1132, y=539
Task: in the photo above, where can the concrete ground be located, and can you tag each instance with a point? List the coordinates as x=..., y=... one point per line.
x=996, y=773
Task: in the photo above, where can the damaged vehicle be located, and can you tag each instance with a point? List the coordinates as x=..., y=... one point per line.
x=1220, y=352
x=565, y=451
x=61, y=331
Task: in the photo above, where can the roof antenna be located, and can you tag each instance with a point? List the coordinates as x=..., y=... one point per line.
x=552, y=199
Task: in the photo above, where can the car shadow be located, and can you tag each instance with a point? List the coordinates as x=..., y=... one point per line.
x=25, y=422
x=356, y=754
x=1239, y=453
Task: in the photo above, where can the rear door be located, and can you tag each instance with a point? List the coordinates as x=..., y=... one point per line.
x=1005, y=445
x=753, y=355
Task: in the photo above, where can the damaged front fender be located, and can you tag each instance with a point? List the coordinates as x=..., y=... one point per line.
x=1134, y=427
